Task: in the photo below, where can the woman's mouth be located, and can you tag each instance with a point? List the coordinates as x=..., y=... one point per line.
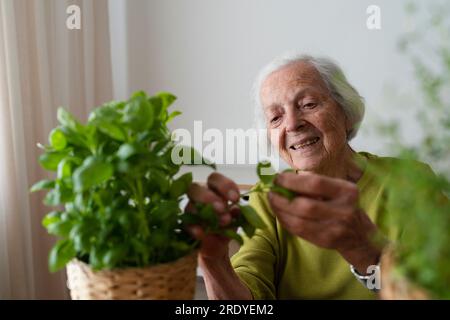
x=305, y=144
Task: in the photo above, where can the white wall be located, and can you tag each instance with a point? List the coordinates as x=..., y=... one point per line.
x=208, y=53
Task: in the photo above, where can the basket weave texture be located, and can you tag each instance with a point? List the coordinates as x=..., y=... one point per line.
x=394, y=287
x=169, y=281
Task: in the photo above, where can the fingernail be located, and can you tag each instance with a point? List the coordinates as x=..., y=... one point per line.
x=219, y=206
x=233, y=195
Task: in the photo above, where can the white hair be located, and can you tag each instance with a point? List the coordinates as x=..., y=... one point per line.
x=340, y=89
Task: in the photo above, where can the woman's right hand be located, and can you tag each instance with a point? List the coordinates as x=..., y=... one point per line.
x=223, y=194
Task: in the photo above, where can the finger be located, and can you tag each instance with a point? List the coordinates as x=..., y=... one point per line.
x=315, y=185
x=224, y=218
x=201, y=194
x=305, y=208
x=196, y=231
x=298, y=226
x=233, y=212
x=223, y=186
x=326, y=235
x=208, y=241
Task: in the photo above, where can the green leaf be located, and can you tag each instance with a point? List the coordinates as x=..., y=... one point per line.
x=50, y=218
x=52, y=198
x=127, y=150
x=113, y=256
x=289, y=194
x=64, y=169
x=60, y=255
x=166, y=98
x=248, y=229
x=112, y=130
x=190, y=218
x=57, y=139
x=158, y=112
x=123, y=167
x=116, y=105
x=233, y=235
x=59, y=228
x=165, y=210
x=50, y=160
x=265, y=172
x=181, y=246
x=107, y=119
x=96, y=258
x=42, y=185
x=75, y=138
x=159, y=238
x=68, y=120
x=107, y=113
x=138, y=113
x=252, y=216
x=161, y=180
x=92, y=172
x=92, y=138
x=79, y=237
x=173, y=115
x=65, y=191
x=181, y=185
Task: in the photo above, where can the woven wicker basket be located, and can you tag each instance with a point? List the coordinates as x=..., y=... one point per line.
x=394, y=287
x=174, y=281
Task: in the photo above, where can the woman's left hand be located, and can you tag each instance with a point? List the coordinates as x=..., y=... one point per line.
x=326, y=213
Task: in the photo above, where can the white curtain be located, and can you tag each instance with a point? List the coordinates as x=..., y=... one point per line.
x=43, y=65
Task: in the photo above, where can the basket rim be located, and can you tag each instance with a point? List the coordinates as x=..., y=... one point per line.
x=76, y=261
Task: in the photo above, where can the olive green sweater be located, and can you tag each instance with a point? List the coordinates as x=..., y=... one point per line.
x=277, y=265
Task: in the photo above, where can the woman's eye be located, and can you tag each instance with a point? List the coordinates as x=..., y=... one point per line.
x=274, y=119
x=310, y=105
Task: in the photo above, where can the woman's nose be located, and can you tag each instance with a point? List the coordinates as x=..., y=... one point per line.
x=294, y=121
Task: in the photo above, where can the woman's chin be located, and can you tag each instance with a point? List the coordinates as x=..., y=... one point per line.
x=306, y=164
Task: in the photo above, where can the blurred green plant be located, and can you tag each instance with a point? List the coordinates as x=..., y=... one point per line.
x=116, y=181
x=417, y=198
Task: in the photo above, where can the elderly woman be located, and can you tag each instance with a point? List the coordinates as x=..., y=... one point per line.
x=319, y=244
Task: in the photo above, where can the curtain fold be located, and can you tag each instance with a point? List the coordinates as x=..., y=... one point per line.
x=43, y=65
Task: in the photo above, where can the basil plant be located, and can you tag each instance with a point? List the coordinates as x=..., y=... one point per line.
x=116, y=193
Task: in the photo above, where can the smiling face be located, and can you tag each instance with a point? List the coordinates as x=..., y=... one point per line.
x=305, y=124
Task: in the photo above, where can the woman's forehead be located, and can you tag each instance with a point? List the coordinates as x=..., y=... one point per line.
x=291, y=79
x=293, y=76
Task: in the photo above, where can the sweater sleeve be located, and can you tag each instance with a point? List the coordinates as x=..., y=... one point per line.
x=255, y=262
